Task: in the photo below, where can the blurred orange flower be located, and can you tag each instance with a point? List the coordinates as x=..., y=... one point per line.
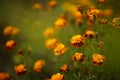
x=20, y=69
x=78, y=57
x=10, y=44
x=64, y=68
x=38, y=65
x=57, y=76
x=4, y=76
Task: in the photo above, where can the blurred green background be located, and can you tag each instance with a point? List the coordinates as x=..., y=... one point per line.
x=32, y=23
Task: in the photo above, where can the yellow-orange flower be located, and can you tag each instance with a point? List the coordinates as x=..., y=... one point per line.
x=37, y=6
x=89, y=33
x=97, y=59
x=116, y=22
x=64, y=68
x=57, y=76
x=60, y=23
x=93, y=12
x=15, y=31
x=108, y=12
x=60, y=49
x=49, y=32
x=52, y=43
x=8, y=30
x=78, y=57
x=10, y=44
x=77, y=41
x=4, y=76
x=101, y=1
x=20, y=69
x=53, y=3
x=38, y=65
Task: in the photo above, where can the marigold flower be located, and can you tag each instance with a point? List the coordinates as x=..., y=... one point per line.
x=49, y=32
x=100, y=44
x=10, y=44
x=89, y=33
x=38, y=65
x=8, y=30
x=108, y=12
x=20, y=69
x=53, y=3
x=101, y=1
x=37, y=6
x=57, y=76
x=78, y=57
x=11, y=30
x=77, y=41
x=4, y=76
x=60, y=49
x=116, y=22
x=52, y=43
x=77, y=14
x=93, y=12
x=15, y=31
x=64, y=68
x=60, y=23
x=97, y=59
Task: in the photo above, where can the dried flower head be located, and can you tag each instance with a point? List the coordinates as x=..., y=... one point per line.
x=77, y=41
x=89, y=33
x=97, y=59
x=52, y=43
x=64, y=68
x=4, y=76
x=49, y=32
x=20, y=69
x=78, y=57
x=100, y=44
x=57, y=76
x=10, y=44
x=38, y=65
x=60, y=49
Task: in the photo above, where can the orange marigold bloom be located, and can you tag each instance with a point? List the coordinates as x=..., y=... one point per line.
x=53, y=3
x=38, y=65
x=64, y=68
x=52, y=43
x=15, y=31
x=93, y=12
x=89, y=33
x=11, y=30
x=101, y=1
x=97, y=59
x=79, y=21
x=4, y=76
x=60, y=23
x=20, y=69
x=108, y=12
x=49, y=32
x=77, y=14
x=10, y=44
x=37, y=6
x=116, y=22
x=77, y=41
x=57, y=76
x=60, y=49
x=8, y=30
x=78, y=57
